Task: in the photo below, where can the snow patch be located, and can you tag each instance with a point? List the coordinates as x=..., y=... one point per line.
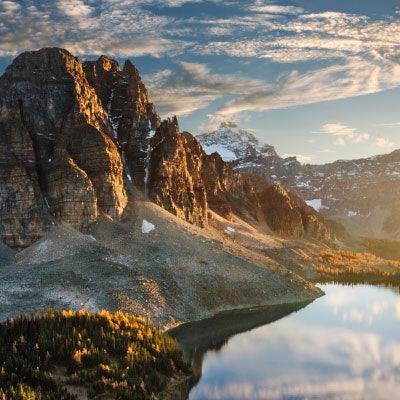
x=147, y=227
x=114, y=125
x=316, y=204
x=229, y=230
x=151, y=134
x=225, y=154
x=353, y=213
x=126, y=168
x=47, y=203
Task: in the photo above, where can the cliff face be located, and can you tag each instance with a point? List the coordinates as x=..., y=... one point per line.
x=174, y=174
x=73, y=135
x=132, y=118
x=49, y=113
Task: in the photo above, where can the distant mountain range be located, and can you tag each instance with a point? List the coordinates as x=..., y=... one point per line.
x=362, y=194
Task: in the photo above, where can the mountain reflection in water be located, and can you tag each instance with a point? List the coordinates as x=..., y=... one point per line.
x=345, y=345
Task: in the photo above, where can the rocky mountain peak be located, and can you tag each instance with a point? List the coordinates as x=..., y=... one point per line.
x=130, y=69
x=50, y=63
x=107, y=64
x=241, y=148
x=362, y=194
x=228, y=125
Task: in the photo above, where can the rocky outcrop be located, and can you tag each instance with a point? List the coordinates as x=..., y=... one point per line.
x=133, y=119
x=186, y=181
x=288, y=215
x=228, y=191
x=174, y=174
x=56, y=153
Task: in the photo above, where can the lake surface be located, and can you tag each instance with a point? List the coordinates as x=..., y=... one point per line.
x=345, y=345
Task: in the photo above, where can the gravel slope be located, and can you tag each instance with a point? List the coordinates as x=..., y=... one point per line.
x=175, y=273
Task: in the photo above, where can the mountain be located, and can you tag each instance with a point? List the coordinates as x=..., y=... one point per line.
x=105, y=206
x=75, y=137
x=361, y=194
x=244, y=151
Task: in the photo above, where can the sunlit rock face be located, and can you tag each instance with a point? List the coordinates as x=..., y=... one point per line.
x=174, y=175
x=57, y=158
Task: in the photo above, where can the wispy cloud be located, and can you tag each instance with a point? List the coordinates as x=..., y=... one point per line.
x=392, y=125
x=363, y=52
x=118, y=27
x=356, y=77
x=259, y=6
x=191, y=86
x=343, y=133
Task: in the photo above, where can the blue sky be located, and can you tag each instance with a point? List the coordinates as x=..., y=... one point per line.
x=318, y=79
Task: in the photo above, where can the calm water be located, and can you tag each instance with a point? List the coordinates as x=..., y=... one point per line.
x=345, y=345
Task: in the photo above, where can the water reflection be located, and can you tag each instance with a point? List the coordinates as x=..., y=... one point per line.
x=345, y=345
x=201, y=337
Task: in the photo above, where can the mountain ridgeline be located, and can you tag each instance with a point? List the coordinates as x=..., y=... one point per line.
x=361, y=194
x=75, y=137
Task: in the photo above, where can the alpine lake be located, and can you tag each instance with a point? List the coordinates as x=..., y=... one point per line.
x=344, y=345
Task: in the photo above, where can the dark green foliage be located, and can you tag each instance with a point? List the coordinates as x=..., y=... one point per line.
x=104, y=352
x=358, y=276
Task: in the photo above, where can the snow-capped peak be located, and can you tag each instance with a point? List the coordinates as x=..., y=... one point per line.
x=237, y=146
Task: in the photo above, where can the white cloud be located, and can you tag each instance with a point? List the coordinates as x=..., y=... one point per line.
x=134, y=47
x=192, y=86
x=74, y=8
x=365, y=51
x=10, y=5
x=343, y=133
x=338, y=130
x=361, y=137
x=392, y=125
x=119, y=28
x=382, y=142
x=275, y=9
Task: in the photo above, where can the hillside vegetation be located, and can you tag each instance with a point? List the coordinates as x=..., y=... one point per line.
x=69, y=355
x=352, y=267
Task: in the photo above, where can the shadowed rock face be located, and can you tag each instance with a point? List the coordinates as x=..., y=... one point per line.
x=133, y=119
x=288, y=215
x=72, y=135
